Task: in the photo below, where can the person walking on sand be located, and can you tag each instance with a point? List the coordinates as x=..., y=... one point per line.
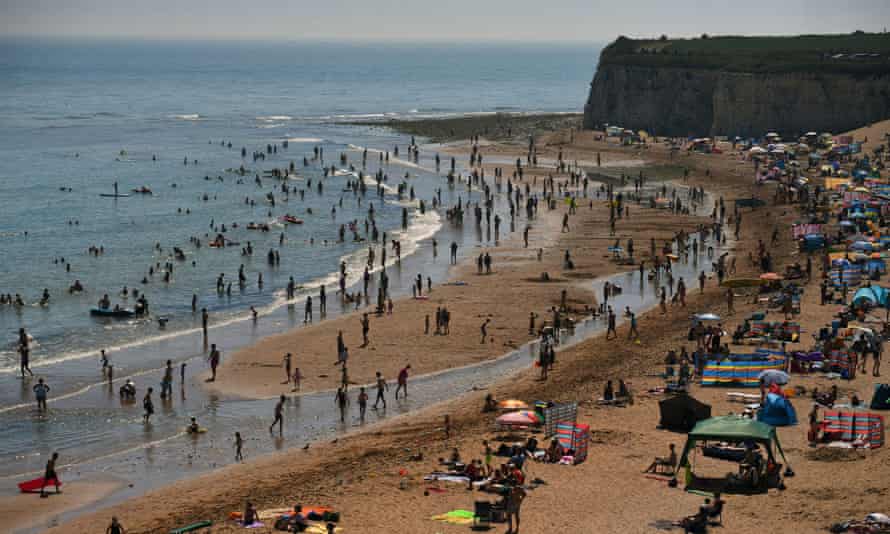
x=381, y=387
x=279, y=418
x=633, y=333
x=25, y=352
x=213, y=358
x=239, y=447
x=366, y=327
x=610, y=329
x=362, y=403
x=50, y=476
x=484, y=330
x=342, y=400
x=402, y=381
x=204, y=319
x=701, y=282
x=40, y=391
x=148, y=405
x=287, y=367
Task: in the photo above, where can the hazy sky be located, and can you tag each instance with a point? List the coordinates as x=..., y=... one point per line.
x=435, y=20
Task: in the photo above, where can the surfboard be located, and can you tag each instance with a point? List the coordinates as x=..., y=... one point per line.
x=33, y=486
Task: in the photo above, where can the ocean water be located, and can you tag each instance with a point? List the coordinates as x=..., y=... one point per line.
x=77, y=116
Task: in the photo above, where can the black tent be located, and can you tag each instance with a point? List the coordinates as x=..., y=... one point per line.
x=881, y=399
x=681, y=412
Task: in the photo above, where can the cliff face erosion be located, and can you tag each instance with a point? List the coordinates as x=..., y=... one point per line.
x=742, y=86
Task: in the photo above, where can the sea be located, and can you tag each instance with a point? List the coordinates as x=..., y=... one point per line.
x=79, y=116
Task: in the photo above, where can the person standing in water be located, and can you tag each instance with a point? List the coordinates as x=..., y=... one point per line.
x=403, y=381
x=279, y=417
x=362, y=403
x=40, y=391
x=381, y=387
x=148, y=405
x=342, y=400
x=25, y=352
x=167, y=381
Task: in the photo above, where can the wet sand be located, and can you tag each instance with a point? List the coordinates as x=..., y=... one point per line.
x=359, y=474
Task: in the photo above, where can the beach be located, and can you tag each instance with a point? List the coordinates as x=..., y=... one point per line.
x=368, y=475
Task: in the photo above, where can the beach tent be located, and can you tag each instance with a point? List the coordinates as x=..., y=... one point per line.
x=733, y=429
x=881, y=398
x=680, y=413
x=574, y=436
x=852, y=426
x=872, y=295
x=777, y=411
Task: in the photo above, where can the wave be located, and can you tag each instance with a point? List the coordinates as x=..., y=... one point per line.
x=274, y=118
x=272, y=125
x=187, y=117
x=305, y=140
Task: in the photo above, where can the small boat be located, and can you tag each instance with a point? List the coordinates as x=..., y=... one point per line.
x=291, y=219
x=112, y=312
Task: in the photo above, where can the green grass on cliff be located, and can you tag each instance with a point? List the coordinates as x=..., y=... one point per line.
x=768, y=54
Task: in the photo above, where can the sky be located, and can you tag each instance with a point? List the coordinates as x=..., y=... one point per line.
x=434, y=20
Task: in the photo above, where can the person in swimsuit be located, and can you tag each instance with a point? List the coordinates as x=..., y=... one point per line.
x=50, y=477
x=40, y=390
x=381, y=387
x=148, y=405
x=25, y=352
x=167, y=381
x=279, y=419
x=213, y=358
x=239, y=445
x=362, y=403
x=403, y=381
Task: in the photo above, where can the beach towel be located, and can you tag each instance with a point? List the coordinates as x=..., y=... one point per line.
x=456, y=517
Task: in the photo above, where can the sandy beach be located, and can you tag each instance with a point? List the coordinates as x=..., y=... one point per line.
x=360, y=474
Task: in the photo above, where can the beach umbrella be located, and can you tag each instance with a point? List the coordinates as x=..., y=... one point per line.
x=770, y=276
x=520, y=418
x=512, y=404
x=861, y=189
x=706, y=317
x=773, y=376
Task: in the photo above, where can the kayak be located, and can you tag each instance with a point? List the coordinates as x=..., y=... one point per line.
x=121, y=312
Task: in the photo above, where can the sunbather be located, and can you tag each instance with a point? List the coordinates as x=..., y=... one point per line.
x=668, y=462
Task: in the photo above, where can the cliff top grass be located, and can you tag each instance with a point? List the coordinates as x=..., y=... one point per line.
x=858, y=54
